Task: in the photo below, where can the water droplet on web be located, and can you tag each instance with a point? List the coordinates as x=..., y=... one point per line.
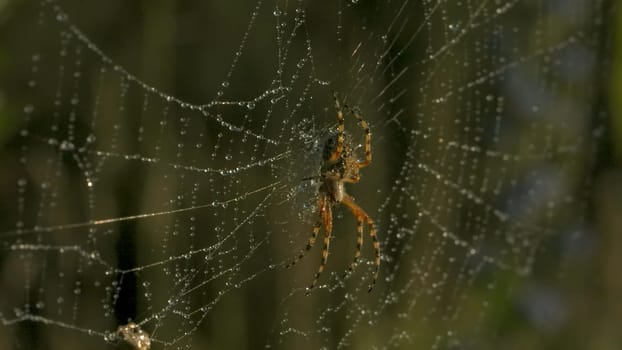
x=108, y=337
x=250, y=105
x=225, y=84
x=18, y=312
x=66, y=146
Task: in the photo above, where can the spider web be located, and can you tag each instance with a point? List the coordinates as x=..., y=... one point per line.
x=157, y=159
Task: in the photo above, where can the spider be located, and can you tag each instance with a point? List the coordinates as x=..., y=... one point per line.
x=341, y=166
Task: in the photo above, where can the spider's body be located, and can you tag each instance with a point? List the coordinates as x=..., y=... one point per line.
x=336, y=173
x=341, y=166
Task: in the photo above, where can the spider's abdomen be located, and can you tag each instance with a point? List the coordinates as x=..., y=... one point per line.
x=329, y=147
x=344, y=167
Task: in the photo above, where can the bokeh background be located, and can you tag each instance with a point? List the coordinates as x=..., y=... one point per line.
x=554, y=281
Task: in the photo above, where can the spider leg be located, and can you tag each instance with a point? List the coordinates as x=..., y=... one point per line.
x=359, y=244
x=337, y=152
x=328, y=228
x=365, y=127
x=316, y=229
x=352, y=180
x=310, y=243
x=362, y=215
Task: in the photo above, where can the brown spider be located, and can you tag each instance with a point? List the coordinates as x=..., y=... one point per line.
x=341, y=166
